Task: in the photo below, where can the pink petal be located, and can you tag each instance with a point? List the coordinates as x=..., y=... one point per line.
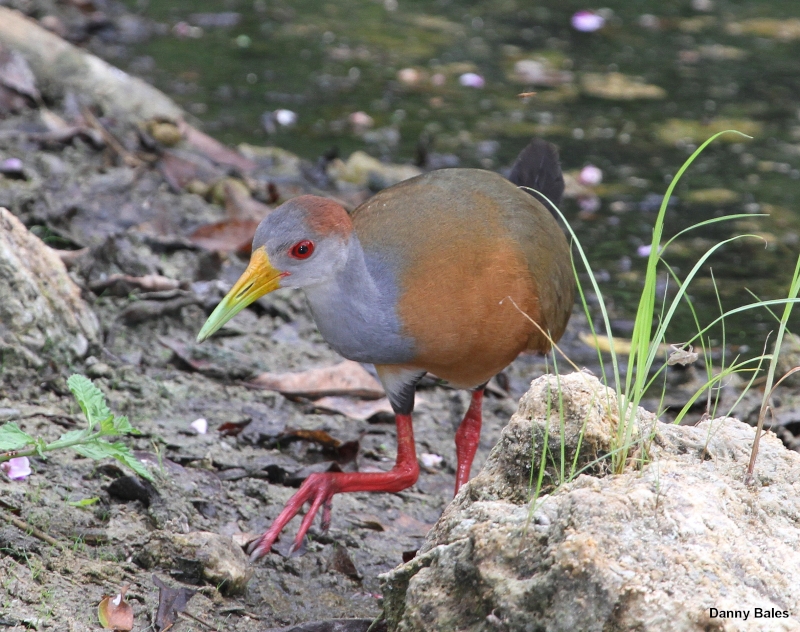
x=200, y=426
x=590, y=176
x=471, y=80
x=587, y=21
x=17, y=469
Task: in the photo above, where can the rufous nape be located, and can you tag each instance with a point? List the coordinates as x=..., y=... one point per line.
x=454, y=272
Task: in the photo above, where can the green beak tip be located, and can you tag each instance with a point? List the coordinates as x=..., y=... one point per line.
x=221, y=315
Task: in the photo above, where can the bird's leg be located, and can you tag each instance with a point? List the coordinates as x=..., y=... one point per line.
x=318, y=489
x=468, y=436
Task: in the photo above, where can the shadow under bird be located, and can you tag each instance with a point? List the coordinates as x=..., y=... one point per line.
x=443, y=273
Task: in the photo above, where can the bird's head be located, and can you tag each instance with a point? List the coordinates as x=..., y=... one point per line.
x=302, y=243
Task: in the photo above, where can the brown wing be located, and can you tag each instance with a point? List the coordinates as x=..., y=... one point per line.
x=465, y=243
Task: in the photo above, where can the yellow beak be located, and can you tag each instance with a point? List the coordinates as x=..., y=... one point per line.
x=258, y=279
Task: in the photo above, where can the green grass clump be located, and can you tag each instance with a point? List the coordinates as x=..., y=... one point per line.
x=648, y=339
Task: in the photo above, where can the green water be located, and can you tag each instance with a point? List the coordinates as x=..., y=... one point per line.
x=326, y=60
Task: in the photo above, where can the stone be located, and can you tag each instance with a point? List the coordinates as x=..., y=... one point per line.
x=683, y=131
x=616, y=86
x=362, y=170
x=667, y=545
x=42, y=315
x=223, y=562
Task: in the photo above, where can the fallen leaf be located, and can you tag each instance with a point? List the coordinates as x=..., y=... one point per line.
x=115, y=613
x=180, y=168
x=367, y=521
x=354, y=408
x=213, y=149
x=229, y=235
x=16, y=74
x=681, y=356
x=171, y=601
x=345, y=378
x=341, y=562
x=316, y=436
x=232, y=428
x=122, y=284
x=602, y=343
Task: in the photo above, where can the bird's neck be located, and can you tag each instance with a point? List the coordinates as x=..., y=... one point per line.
x=356, y=310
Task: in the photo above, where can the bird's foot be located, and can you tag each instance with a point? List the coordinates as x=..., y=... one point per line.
x=319, y=490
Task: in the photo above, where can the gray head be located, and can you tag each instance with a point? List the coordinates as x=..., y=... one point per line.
x=302, y=243
x=305, y=240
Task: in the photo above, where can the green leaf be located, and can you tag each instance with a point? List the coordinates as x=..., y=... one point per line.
x=68, y=437
x=123, y=426
x=12, y=438
x=91, y=399
x=84, y=502
x=98, y=449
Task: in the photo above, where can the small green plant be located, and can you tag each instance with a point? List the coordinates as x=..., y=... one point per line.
x=649, y=338
x=91, y=442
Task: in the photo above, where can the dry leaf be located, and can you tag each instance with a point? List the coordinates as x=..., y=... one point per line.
x=354, y=408
x=681, y=356
x=213, y=149
x=16, y=74
x=602, y=343
x=345, y=378
x=115, y=613
x=171, y=601
x=230, y=235
x=181, y=169
x=341, y=562
x=122, y=284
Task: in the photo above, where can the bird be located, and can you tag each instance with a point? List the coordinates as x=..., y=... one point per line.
x=454, y=272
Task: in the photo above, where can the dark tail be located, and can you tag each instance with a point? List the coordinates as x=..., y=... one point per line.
x=538, y=167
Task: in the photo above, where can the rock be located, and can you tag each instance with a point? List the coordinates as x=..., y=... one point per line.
x=42, y=314
x=224, y=564
x=60, y=67
x=165, y=132
x=785, y=29
x=280, y=162
x=539, y=72
x=677, y=131
x=618, y=87
x=653, y=548
x=362, y=170
x=716, y=196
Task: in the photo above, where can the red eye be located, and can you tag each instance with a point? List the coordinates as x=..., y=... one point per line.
x=302, y=249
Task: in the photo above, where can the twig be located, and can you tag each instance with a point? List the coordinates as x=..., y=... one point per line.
x=27, y=528
x=127, y=157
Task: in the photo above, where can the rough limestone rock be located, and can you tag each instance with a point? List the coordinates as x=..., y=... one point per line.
x=42, y=315
x=678, y=544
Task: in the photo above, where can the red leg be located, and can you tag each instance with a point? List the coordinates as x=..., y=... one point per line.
x=318, y=489
x=468, y=436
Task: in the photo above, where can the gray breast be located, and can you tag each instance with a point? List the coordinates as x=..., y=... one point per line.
x=356, y=312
